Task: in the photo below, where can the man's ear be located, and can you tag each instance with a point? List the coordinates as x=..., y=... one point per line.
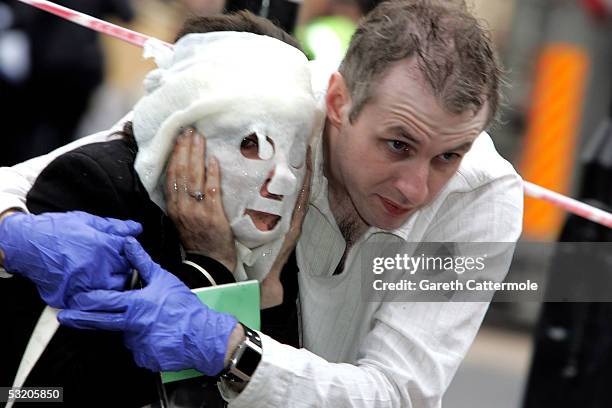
x=337, y=100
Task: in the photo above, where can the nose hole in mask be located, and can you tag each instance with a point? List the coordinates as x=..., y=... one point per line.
x=266, y=194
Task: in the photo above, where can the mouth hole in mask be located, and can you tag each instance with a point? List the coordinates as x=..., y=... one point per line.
x=263, y=221
x=251, y=149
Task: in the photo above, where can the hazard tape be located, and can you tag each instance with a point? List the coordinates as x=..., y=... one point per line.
x=93, y=23
x=569, y=204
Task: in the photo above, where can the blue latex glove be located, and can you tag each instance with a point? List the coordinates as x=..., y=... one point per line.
x=66, y=253
x=165, y=325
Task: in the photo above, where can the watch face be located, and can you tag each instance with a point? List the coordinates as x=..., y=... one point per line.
x=248, y=361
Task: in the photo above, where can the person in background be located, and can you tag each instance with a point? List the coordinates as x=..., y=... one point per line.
x=59, y=58
x=324, y=27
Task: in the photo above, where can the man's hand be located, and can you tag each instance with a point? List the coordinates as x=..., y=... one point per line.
x=271, y=287
x=164, y=324
x=64, y=253
x=200, y=219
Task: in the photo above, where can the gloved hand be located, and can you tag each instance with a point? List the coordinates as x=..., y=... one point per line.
x=66, y=253
x=165, y=325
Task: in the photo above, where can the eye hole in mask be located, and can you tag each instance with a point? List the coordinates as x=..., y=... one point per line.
x=253, y=149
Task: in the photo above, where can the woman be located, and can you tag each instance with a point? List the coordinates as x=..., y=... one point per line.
x=250, y=95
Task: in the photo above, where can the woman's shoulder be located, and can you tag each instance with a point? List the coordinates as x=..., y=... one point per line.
x=112, y=155
x=92, y=176
x=112, y=161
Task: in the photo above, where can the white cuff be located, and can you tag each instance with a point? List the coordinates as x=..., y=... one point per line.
x=269, y=381
x=8, y=201
x=4, y=274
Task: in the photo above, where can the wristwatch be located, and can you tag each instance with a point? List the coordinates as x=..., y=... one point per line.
x=245, y=359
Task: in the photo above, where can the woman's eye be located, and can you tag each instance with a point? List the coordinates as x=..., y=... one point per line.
x=249, y=147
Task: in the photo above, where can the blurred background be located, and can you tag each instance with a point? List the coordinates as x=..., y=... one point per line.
x=59, y=82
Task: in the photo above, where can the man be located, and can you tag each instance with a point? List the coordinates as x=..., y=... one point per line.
x=402, y=159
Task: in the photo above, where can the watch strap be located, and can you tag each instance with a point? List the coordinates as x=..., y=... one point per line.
x=245, y=359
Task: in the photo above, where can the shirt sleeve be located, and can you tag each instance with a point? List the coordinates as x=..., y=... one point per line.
x=401, y=364
x=413, y=350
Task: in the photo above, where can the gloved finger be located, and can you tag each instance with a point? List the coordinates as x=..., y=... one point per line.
x=100, y=301
x=140, y=260
x=91, y=320
x=117, y=280
x=111, y=225
x=115, y=253
x=144, y=361
x=127, y=228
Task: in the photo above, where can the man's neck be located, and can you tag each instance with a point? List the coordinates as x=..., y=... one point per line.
x=348, y=220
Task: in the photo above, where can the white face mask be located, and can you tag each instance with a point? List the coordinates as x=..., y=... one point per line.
x=262, y=166
x=231, y=86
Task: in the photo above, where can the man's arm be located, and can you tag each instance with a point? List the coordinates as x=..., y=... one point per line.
x=51, y=250
x=16, y=181
x=165, y=325
x=398, y=365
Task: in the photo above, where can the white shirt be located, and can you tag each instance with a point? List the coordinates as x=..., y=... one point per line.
x=385, y=354
x=357, y=353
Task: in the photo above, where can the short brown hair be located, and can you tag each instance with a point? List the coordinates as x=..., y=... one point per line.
x=454, y=53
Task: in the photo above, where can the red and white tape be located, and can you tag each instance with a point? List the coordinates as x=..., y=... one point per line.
x=93, y=23
x=568, y=204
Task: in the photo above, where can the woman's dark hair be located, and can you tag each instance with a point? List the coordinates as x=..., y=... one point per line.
x=241, y=21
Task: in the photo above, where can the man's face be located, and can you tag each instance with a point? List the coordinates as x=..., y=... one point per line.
x=401, y=150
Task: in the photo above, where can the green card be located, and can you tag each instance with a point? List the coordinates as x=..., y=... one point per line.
x=239, y=299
